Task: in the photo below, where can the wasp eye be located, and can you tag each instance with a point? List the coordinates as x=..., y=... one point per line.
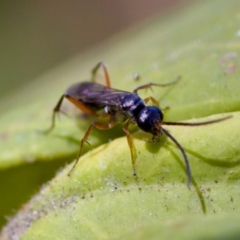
x=149, y=118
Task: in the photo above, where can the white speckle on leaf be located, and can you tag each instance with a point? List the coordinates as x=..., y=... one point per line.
x=102, y=165
x=238, y=33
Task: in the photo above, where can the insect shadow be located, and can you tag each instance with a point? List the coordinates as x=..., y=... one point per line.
x=152, y=147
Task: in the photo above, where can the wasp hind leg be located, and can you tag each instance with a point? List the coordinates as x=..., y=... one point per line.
x=106, y=75
x=78, y=104
x=55, y=111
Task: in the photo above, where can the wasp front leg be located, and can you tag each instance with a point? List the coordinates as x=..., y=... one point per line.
x=154, y=101
x=132, y=147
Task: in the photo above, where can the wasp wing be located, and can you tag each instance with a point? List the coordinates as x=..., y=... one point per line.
x=95, y=94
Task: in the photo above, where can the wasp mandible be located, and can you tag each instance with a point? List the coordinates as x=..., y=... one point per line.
x=117, y=106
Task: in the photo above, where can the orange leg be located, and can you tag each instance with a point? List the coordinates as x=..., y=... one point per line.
x=81, y=106
x=149, y=85
x=98, y=125
x=78, y=104
x=131, y=146
x=55, y=111
x=103, y=66
x=154, y=101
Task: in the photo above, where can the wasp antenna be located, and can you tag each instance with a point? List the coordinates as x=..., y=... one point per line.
x=198, y=123
x=176, y=79
x=188, y=169
x=170, y=83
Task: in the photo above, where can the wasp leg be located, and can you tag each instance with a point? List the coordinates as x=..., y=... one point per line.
x=55, y=111
x=78, y=104
x=98, y=125
x=149, y=85
x=131, y=146
x=81, y=106
x=106, y=75
x=154, y=101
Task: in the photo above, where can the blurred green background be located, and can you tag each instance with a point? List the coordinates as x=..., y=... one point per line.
x=38, y=35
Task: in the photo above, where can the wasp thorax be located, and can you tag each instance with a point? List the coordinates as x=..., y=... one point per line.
x=149, y=119
x=129, y=101
x=132, y=104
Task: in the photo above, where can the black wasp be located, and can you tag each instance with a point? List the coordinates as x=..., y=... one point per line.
x=117, y=106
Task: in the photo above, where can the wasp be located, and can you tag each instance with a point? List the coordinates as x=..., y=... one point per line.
x=117, y=106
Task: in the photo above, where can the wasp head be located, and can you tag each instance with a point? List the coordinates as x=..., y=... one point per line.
x=150, y=119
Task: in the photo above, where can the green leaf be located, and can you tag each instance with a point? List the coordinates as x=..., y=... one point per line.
x=102, y=199
x=225, y=226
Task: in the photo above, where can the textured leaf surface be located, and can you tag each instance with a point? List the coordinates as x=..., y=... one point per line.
x=225, y=226
x=102, y=199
